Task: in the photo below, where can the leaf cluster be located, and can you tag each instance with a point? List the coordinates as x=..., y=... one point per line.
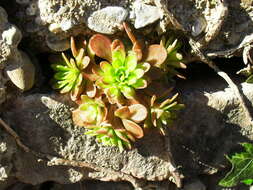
x=120, y=90
x=242, y=168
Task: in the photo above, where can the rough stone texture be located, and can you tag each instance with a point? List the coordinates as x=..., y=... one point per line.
x=17, y=64
x=143, y=14
x=211, y=125
x=7, y=151
x=2, y=88
x=107, y=20
x=9, y=40
x=45, y=125
x=195, y=185
x=220, y=28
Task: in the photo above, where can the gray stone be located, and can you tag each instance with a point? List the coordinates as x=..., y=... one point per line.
x=23, y=74
x=212, y=117
x=45, y=125
x=18, y=65
x=144, y=14
x=2, y=88
x=107, y=20
x=228, y=23
x=195, y=185
x=199, y=26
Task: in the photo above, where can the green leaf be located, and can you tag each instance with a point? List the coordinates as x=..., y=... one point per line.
x=118, y=59
x=250, y=79
x=128, y=92
x=247, y=181
x=131, y=61
x=242, y=167
x=140, y=83
x=58, y=67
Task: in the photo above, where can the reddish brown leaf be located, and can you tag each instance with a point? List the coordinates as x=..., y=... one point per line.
x=133, y=128
x=102, y=131
x=117, y=45
x=91, y=89
x=123, y=112
x=156, y=55
x=129, y=33
x=138, y=112
x=100, y=45
x=77, y=118
x=73, y=46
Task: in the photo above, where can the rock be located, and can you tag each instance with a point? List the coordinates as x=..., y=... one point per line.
x=199, y=26
x=212, y=117
x=2, y=88
x=94, y=186
x=7, y=151
x=195, y=185
x=17, y=64
x=107, y=20
x=226, y=26
x=57, y=44
x=144, y=14
x=45, y=125
x=211, y=126
x=23, y=74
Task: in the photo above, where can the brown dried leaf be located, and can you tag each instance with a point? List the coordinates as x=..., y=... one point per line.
x=152, y=101
x=91, y=72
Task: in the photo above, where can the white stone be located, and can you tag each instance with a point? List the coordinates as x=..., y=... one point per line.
x=3, y=174
x=66, y=25
x=107, y=20
x=145, y=14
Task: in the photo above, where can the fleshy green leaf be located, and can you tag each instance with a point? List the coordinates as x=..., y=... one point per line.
x=140, y=83
x=59, y=67
x=118, y=59
x=242, y=167
x=128, y=92
x=247, y=181
x=131, y=61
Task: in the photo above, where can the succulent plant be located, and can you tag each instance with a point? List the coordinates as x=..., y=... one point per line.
x=163, y=113
x=108, y=135
x=90, y=112
x=109, y=84
x=123, y=74
x=68, y=76
x=131, y=116
x=174, y=58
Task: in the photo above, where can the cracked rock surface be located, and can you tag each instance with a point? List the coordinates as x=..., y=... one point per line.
x=44, y=124
x=221, y=28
